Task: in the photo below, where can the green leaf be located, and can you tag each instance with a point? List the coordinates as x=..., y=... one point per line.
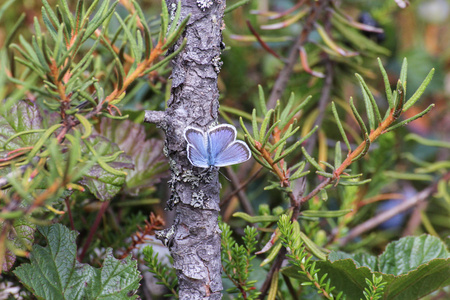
x=21, y=238
x=325, y=214
x=102, y=183
x=147, y=154
x=255, y=219
x=412, y=267
x=55, y=273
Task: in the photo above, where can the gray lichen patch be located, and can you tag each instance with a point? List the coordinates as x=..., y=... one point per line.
x=204, y=4
x=199, y=199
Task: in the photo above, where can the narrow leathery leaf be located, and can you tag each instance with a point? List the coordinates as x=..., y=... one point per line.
x=260, y=161
x=287, y=135
x=237, y=112
x=296, y=232
x=327, y=165
x=264, y=124
x=167, y=58
x=311, y=160
x=299, y=175
x=235, y=5
x=112, y=157
x=408, y=176
x=39, y=54
x=147, y=32
x=86, y=96
x=351, y=176
x=411, y=101
x=20, y=134
x=269, y=132
x=387, y=85
x=426, y=142
x=262, y=100
x=78, y=15
x=407, y=121
x=354, y=183
x=372, y=99
x=315, y=250
x=86, y=125
x=400, y=100
x=140, y=46
x=11, y=214
x=369, y=108
x=130, y=37
x=59, y=43
x=324, y=174
x=62, y=20
x=286, y=109
x=92, y=27
x=255, y=219
x=45, y=51
x=287, y=152
x=332, y=44
x=251, y=143
x=337, y=155
x=341, y=128
x=279, y=149
x=254, y=124
x=42, y=140
x=299, y=107
x=164, y=21
x=241, y=121
x=273, y=253
x=120, y=74
x=325, y=213
x=64, y=70
x=366, y=148
x=403, y=72
x=68, y=14
x=50, y=12
x=358, y=117
x=124, y=117
x=48, y=24
x=273, y=290
x=308, y=134
x=91, y=8
x=300, y=168
x=175, y=20
x=12, y=32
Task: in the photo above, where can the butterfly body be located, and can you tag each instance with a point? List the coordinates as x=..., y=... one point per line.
x=216, y=147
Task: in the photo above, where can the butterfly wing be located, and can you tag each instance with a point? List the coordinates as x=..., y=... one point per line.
x=196, y=149
x=237, y=152
x=219, y=138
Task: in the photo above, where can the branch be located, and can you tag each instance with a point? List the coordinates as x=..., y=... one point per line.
x=384, y=216
x=155, y=117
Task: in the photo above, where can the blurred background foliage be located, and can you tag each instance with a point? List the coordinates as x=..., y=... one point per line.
x=401, y=164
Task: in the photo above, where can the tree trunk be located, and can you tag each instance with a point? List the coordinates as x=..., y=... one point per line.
x=194, y=239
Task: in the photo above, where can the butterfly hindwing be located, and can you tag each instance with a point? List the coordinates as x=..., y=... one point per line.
x=237, y=152
x=219, y=138
x=196, y=158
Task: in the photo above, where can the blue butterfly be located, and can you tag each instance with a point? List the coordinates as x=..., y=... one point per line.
x=215, y=148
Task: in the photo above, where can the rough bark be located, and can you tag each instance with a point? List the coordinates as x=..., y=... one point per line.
x=194, y=239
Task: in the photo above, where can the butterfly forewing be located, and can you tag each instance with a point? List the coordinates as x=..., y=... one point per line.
x=236, y=153
x=196, y=151
x=219, y=138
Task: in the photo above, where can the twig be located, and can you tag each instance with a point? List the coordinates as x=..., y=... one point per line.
x=285, y=74
x=386, y=215
x=94, y=227
x=245, y=203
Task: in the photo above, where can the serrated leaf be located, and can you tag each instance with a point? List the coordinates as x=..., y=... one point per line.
x=421, y=266
x=103, y=184
x=55, y=273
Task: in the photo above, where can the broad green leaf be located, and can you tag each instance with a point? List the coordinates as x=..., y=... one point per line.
x=412, y=267
x=22, y=116
x=21, y=237
x=103, y=184
x=55, y=273
x=146, y=154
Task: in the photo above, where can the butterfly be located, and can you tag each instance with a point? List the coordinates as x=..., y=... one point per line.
x=215, y=148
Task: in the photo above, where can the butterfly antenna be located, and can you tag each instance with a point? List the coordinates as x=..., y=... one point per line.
x=225, y=176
